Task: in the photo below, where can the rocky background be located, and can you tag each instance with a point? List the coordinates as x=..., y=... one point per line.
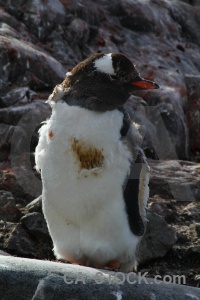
x=40, y=40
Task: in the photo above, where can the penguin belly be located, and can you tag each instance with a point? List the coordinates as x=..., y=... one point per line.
x=84, y=164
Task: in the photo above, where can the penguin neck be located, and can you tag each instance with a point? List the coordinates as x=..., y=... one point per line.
x=71, y=100
x=94, y=103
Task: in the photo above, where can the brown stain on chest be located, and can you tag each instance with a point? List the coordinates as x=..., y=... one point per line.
x=87, y=156
x=51, y=135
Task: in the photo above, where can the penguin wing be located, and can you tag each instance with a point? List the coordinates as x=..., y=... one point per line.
x=136, y=189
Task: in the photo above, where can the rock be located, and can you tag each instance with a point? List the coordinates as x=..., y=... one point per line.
x=175, y=179
x=77, y=35
x=10, y=26
x=22, y=95
x=178, y=13
x=43, y=279
x=78, y=32
x=35, y=205
x=192, y=211
x=14, y=114
x=136, y=109
x=20, y=243
x=34, y=222
x=166, y=209
x=27, y=70
x=26, y=239
x=194, y=250
x=6, y=132
x=170, y=125
x=4, y=253
x=43, y=17
x=158, y=238
x=197, y=227
x=136, y=18
x=20, y=181
x=5, y=231
x=191, y=2
x=193, y=254
x=9, y=211
x=123, y=26
x=26, y=121
x=193, y=110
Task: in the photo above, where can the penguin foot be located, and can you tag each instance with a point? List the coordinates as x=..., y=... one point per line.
x=111, y=265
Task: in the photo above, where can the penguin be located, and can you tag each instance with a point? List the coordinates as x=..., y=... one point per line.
x=94, y=172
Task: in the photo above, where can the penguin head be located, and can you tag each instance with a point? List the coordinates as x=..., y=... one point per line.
x=104, y=82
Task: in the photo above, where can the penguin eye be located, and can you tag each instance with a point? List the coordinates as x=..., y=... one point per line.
x=113, y=77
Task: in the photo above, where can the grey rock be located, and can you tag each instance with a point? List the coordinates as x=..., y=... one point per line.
x=197, y=227
x=14, y=114
x=166, y=209
x=71, y=31
x=15, y=180
x=136, y=18
x=158, y=239
x=7, y=30
x=34, y=222
x=193, y=255
x=34, y=279
x=5, y=197
x=192, y=210
x=136, y=109
x=21, y=96
x=78, y=32
x=40, y=18
x=27, y=70
x=194, y=250
x=170, y=125
x=178, y=13
x=20, y=243
x=26, y=239
x=161, y=125
x=10, y=26
x=92, y=13
x=9, y=211
x=193, y=109
x=6, y=132
x=191, y=2
x=43, y=17
x=28, y=119
x=35, y=205
x=175, y=179
x=4, y=253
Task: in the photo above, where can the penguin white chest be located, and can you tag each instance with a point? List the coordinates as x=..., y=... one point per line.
x=84, y=164
x=82, y=148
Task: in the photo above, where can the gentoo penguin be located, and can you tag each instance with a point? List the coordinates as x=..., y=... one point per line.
x=94, y=172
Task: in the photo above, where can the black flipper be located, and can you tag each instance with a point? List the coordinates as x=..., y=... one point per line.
x=131, y=197
x=131, y=191
x=126, y=123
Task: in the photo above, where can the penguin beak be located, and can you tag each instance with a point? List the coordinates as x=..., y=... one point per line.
x=143, y=84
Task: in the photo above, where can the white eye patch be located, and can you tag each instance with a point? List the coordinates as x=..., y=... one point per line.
x=105, y=64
